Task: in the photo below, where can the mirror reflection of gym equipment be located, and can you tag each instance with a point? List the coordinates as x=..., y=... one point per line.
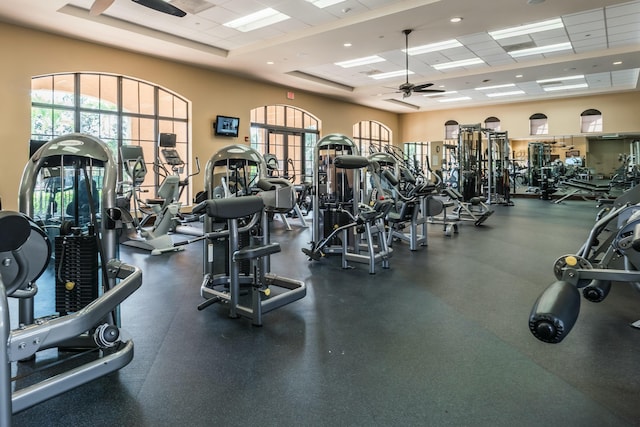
x=466, y=171
x=71, y=221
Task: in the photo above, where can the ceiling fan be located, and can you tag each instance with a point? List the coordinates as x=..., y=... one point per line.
x=407, y=88
x=100, y=6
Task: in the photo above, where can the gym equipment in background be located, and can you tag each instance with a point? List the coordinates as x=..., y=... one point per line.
x=409, y=193
x=361, y=235
x=593, y=268
x=276, y=179
x=334, y=190
x=80, y=217
x=164, y=209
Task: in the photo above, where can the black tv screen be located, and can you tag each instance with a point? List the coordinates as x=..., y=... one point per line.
x=167, y=140
x=227, y=126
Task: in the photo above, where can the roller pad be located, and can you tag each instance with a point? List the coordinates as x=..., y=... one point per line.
x=15, y=230
x=555, y=312
x=349, y=161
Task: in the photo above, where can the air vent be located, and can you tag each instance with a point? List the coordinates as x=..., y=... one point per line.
x=520, y=46
x=192, y=6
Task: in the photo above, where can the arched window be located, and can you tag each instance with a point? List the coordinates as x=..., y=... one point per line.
x=492, y=123
x=117, y=109
x=371, y=136
x=290, y=134
x=538, y=124
x=451, y=129
x=591, y=121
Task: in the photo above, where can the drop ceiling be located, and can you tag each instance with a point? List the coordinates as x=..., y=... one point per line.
x=600, y=43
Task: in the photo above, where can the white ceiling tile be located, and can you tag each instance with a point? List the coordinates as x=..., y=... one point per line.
x=623, y=9
x=594, y=15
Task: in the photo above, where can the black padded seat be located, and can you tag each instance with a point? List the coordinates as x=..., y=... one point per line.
x=235, y=207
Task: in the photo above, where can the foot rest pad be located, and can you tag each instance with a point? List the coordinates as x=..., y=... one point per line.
x=253, y=252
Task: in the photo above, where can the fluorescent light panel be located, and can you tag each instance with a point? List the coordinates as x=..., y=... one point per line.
x=565, y=87
x=256, y=20
x=461, y=98
x=360, y=61
x=540, y=49
x=433, y=47
x=561, y=79
x=520, y=30
x=390, y=74
x=454, y=64
x=496, y=86
x=510, y=93
x=324, y=3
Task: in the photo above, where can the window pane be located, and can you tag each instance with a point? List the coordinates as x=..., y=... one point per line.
x=146, y=129
x=165, y=104
x=147, y=104
x=42, y=121
x=108, y=126
x=64, y=89
x=90, y=123
x=89, y=91
x=63, y=122
x=539, y=127
x=179, y=108
x=130, y=98
x=180, y=129
x=591, y=124
x=42, y=90
x=108, y=93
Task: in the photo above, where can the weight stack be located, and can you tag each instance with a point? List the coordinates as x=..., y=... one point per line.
x=76, y=268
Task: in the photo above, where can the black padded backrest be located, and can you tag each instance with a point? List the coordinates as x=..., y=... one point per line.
x=234, y=207
x=349, y=161
x=14, y=230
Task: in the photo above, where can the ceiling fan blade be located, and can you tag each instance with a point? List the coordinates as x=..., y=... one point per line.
x=100, y=6
x=429, y=90
x=162, y=6
x=422, y=86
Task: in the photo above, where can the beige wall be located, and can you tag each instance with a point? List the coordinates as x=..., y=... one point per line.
x=28, y=53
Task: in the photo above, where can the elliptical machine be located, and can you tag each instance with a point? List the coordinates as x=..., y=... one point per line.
x=78, y=223
x=165, y=208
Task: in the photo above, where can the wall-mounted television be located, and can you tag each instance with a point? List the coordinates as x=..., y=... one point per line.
x=226, y=126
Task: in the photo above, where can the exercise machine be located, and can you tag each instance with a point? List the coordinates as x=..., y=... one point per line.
x=164, y=209
x=334, y=190
x=611, y=253
x=276, y=180
x=237, y=268
x=412, y=204
x=90, y=282
x=361, y=235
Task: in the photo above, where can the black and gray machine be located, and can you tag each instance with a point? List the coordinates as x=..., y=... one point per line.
x=237, y=248
x=611, y=253
x=345, y=220
x=66, y=232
